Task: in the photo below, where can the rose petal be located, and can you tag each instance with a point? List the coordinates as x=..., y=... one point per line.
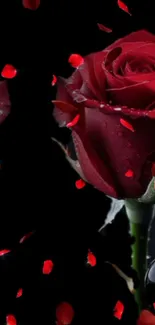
x=31, y=4
x=64, y=313
x=90, y=172
x=47, y=267
x=8, y=71
x=75, y=60
x=11, y=320
x=138, y=36
x=104, y=28
x=146, y=318
x=123, y=6
x=91, y=259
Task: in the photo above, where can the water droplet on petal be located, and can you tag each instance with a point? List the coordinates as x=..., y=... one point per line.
x=75, y=60
x=117, y=109
x=47, y=267
x=64, y=313
x=78, y=97
x=102, y=105
x=8, y=71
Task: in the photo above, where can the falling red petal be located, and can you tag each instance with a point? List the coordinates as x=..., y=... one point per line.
x=64, y=107
x=47, y=267
x=74, y=121
x=31, y=4
x=129, y=173
x=75, y=60
x=153, y=169
x=104, y=28
x=123, y=6
x=80, y=184
x=91, y=259
x=146, y=318
x=11, y=320
x=4, y=251
x=64, y=313
x=9, y=71
x=54, y=80
x=127, y=125
x=19, y=293
x=25, y=237
x=118, y=310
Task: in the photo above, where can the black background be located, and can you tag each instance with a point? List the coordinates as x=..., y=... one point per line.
x=37, y=186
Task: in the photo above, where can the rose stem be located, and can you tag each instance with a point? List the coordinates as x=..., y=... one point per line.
x=139, y=215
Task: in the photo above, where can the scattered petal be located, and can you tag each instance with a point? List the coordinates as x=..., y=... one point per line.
x=19, y=293
x=91, y=258
x=76, y=60
x=74, y=121
x=64, y=107
x=104, y=28
x=54, y=80
x=11, y=320
x=31, y=4
x=127, y=125
x=146, y=318
x=118, y=310
x=9, y=71
x=26, y=237
x=64, y=313
x=123, y=6
x=47, y=267
x=4, y=251
x=129, y=173
x=80, y=184
x=153, y=169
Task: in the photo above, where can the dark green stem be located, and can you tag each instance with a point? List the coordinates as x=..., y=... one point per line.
x=139, y=215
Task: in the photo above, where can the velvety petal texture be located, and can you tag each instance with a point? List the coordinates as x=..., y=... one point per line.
x=113, y=91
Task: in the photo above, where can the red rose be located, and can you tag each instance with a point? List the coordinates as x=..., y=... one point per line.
x=113, y=92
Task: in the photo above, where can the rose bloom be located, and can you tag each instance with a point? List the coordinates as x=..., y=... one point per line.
x=113, y=92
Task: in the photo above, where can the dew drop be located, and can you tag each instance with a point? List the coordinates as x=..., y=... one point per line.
x=102, y=105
